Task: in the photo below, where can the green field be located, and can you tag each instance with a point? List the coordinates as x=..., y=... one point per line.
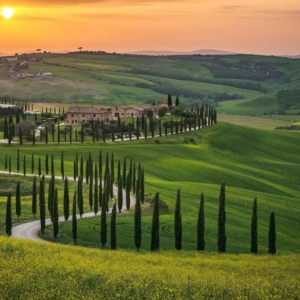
x=253, y=163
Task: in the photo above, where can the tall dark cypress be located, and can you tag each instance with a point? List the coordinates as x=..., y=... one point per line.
x=155, y=225
x=34, y=197
x=133, y=178
x=96, y=199
x=112, y=175
x=120, y=194
x=91, y=196
x=55, y=214
x=119, y=170
x=47, y=164
x=32, y=163
x=103, y=230
x=52, y=166
x=18, y=200
x=62, y=165
x=66, y=199
x=39, y=167
x=127, y=193
x=138, y=224
x=222, y=220
x=20, y=136
x=201, y=226
x=80, y=196
x=42, y=204
x=81, y=166
x=82, y=138
x=178, y=223
x=142, y=185
x=6, y=162
x=113, y=228
x=272, y=235
x=254, y=248
x=8, y=222
x=24, y=165
x=74, y=220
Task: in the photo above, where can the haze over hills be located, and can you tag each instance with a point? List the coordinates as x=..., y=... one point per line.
x=165, y=52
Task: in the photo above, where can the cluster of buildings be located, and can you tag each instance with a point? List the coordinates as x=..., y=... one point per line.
x=84, y=114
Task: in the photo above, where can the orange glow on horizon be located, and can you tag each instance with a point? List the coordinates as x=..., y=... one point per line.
x=253, y=26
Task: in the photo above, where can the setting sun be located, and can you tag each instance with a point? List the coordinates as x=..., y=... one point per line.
x=7, y=12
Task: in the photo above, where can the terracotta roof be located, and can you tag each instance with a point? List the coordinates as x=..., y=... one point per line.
x=86, y=110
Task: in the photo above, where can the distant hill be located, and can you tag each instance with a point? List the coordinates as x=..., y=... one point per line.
x=200, y=52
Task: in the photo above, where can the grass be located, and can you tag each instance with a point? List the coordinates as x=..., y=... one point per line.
x=66, y=272
x=253, y=163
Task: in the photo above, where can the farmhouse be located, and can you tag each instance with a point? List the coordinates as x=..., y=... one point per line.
x=124, y=111
x=83, y=114
x=142, y=110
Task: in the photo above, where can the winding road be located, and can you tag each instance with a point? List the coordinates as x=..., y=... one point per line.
x=29, y=231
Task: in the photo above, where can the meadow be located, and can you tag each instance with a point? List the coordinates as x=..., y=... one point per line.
x=253, y=163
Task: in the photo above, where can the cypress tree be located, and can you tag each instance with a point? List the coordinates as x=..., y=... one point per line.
x=137, y=128
x=128, y=193
x=178, y=223
x=254, y=248
x=62, y=165
x=47, y=164
x=34, y=197
x=9, y=164
x=87, y=171
x=100, y=162
x=81, y=167
x=18, y=200
x=177, y=101
x=201, y=226
x=133, y=178
x=142, y=185
x=222, y=220
x=52, y=165
x=8, y=223
x=55, y=214
x=120, y=194
x=66, y=199
x=103, y=230
x=39, y=167
x=5, y=131
x=80, y=196
x=46, y=137
x=119, y=170
x=100, y=190
x=112, y=175
x=272, y=235
x=32, y=163
x=51, y=196
x=155, y=225
x=74, y=220
x=82, y=138
x=18, y=160
x=113, y=228
x=70, y=135
x=96, y=201
x=91, y=196
x=24, y=165
x=138, y=224
x=58, y=133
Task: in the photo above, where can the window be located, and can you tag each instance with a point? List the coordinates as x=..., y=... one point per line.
x=72, y=115
x=94, y=115
x=83, y=115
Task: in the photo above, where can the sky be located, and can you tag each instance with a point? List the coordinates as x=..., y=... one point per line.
x=269, y=27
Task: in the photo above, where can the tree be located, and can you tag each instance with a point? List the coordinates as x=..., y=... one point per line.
x=34, y=197
x=20, y=136
x=80, y=196
x=74, y=220
x=138, y=224
x=272, y=235
x=177, y=101
x=18, y=200
x=91, y=196
x=18, y=160
x=96, y=199
x=178, y=223
x=254, y=247
x=24, y=165
x=62, y=165
x=55, y=214
x=66, y=199
x=155, y=225
x=47, y=164
x=124, y=173
x=127, y=193
x=103, y=230
x=201, y=226
x=169, y=100
x=52, y=165
x=113, y=228
x=39, y=167
x=8, y=222
x=222, y=220
x=42, y=204
x=120, y=194
x=161, y=112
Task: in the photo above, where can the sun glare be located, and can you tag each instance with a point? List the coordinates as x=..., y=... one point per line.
x=7, y=12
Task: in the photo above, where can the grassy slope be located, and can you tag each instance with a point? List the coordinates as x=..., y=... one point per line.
x=65, y=272
x=253, y=163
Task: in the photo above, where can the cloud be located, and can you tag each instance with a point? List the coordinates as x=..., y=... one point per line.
x=279, y=12
x=231, y=7
x=31, y=18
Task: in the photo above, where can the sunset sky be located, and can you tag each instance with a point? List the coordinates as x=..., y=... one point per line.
x=245, y=26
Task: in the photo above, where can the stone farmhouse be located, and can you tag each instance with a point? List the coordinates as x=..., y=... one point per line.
x=84, y=114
